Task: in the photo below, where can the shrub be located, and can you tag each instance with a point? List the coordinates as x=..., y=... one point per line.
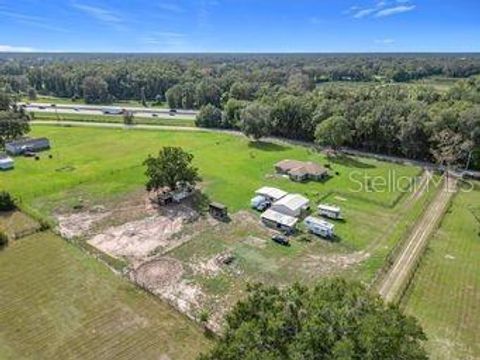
x=6, y=202
x=3, y=240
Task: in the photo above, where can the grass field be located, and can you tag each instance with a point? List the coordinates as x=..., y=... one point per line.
x=57, y=302
x=167, y=120
x=445, y=295
x=97, y=163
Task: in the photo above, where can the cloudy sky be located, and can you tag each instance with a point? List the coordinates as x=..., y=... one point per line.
x=240, y=25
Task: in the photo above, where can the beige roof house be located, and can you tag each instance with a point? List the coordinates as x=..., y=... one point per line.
x=300, y=170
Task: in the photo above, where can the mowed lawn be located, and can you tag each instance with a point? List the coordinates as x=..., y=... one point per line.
x=58, y=303
x=100, y=163
x=446, y=290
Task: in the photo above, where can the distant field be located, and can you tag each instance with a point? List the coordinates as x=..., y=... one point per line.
x=59, y=303
x=445, y=295
x=167, y=120
x=442, y=84
x=68, y=101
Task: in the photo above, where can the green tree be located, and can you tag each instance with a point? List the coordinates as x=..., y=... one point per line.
x=255, y=121
x=32, y=94
x=172, y=168
x=209, y=116
x=14, y=122
x=333, y=132
x=335, y=319
x=95, y=90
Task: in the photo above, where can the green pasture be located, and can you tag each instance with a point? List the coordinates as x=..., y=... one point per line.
x=445, y=294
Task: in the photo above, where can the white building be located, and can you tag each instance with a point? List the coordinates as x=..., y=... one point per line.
x=278, y=220
x=330, y=211
x=292, y=205
x=6, y=163
x=270, y=193
x=320, y=227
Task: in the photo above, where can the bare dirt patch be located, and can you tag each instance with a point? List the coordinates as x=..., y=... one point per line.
x=164, y=278
x=79, y=224
x=140, y=239
x=333, y=263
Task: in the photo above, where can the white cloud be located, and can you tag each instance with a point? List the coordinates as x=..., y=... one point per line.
x=382, y=8
x=30, y=20
x=11, y=48
x=102, y=15
x=364, y=12
x=395, y=10
x=386, y=41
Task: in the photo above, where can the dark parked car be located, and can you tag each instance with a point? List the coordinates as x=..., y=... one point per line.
x=29, y=153
x=281, y=239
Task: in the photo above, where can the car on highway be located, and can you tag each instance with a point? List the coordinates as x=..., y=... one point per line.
x=41, y=107
x=155, y=115
x=112, y=111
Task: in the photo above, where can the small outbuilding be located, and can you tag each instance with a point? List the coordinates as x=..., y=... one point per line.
x=279, y=221
x=18, y=147
x=6, y=162
x=218, y=211
x=320, y=227
x=330, y=211
x=292, y=205
x=270, y=193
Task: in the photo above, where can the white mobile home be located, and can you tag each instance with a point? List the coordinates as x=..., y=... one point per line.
x=6, y=163
x=330, y=211
x=320, y=227
x=292, y=205
x=270, y=193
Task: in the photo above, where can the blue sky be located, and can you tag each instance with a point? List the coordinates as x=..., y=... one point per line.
x=240, y=25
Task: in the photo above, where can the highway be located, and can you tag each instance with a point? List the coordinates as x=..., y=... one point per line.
x=98, y=110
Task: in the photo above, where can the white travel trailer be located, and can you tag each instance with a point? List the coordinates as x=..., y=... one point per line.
x=320, y=227
x=330, y=211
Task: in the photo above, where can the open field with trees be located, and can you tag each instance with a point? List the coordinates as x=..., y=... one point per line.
x=58, y=302
x=445, y=294
x=406, y=105
x=82, y=176
x=105, y=162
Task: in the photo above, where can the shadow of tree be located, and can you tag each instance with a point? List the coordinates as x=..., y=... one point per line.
x=266, y=146
x=349, y=162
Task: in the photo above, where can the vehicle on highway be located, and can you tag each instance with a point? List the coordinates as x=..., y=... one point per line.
x=112, y=111
x=41, y=107
x=281, y=239
x=76, y=109
x=155, y=115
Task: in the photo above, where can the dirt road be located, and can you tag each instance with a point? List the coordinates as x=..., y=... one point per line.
x=399, y=274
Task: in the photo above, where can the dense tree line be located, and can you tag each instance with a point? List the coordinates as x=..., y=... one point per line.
x=191, y=81
x=412, y=121
x=284, y=95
